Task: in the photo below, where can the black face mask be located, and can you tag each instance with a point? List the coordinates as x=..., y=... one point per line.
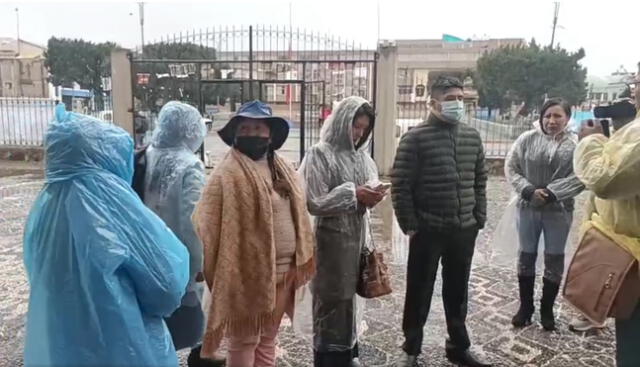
x=254, y=147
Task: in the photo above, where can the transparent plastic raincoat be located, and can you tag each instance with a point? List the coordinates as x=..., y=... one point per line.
x=538, y=160
x=332, y=169
x=173, y=182
x=103, y=269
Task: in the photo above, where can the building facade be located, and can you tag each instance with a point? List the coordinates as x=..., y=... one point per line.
x=22, y=69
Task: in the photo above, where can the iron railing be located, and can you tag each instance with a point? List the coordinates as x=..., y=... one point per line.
x=300, y=73
x=497, y=135
x=24, y=120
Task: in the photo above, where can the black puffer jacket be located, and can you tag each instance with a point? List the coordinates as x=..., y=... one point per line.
x=439, y=178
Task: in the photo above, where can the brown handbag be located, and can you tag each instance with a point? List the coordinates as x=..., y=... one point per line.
x=374, y=277
x=603, y=279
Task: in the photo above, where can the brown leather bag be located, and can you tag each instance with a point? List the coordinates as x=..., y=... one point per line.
x=374, y=277
x=603, y=279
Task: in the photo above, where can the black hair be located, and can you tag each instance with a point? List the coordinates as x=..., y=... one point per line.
x=365, y=110
x=444, y=83
x=551, y=102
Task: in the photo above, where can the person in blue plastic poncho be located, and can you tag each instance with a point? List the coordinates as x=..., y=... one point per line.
x=104, y=270
x=173, y=182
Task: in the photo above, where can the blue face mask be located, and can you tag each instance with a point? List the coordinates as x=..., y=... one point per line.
x=453, y=110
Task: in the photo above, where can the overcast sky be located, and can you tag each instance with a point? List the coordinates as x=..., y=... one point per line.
x=605, y=29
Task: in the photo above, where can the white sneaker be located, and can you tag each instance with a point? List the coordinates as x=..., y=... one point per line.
x=582, y=324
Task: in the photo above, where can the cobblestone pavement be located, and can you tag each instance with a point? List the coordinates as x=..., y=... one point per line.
x=493, y=300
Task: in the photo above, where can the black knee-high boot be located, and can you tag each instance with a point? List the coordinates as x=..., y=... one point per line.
x=549, y=293
x=526, y=286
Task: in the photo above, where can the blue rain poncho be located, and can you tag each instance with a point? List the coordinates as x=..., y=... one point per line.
x=103, y=269
x=173, y=182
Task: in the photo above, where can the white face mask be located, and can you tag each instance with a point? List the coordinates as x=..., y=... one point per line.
x=453, y=110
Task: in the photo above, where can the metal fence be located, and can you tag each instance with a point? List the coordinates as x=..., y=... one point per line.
x=497, y=135
x=300, y=73
x=24, y=120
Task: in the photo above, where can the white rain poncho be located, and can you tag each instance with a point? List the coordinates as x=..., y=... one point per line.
x=103, y=269
x=332, y=170
x=173, y=182
x=537, y=160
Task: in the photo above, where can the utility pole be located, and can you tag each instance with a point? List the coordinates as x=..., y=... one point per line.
x=289, y=89
x=555, y=22
x=378, y=15
x=141, y=11
x=18, y=30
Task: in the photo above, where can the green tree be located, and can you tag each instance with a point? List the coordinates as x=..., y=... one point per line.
x=527, y=74
x=79, y=61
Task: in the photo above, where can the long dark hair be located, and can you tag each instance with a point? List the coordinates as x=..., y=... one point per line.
x=551, y=102
x=365, y=110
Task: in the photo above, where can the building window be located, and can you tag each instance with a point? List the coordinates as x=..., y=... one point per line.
x=8, y=85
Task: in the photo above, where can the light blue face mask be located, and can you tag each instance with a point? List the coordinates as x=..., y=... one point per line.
x=453, y=110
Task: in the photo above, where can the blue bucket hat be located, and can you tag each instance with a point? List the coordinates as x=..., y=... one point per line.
x=257, y=110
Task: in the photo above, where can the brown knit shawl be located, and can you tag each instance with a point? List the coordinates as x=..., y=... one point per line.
x=234, y=220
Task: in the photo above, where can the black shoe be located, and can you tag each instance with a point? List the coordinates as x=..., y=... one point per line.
x=194, y=360
x=523, y=317
x=549, y=294
x=465, y=359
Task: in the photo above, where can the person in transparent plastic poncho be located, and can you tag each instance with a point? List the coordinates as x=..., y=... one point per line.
x=610, y=168
x=336, y=171
x=174, y=179
x=104, y=270
x=540, y=169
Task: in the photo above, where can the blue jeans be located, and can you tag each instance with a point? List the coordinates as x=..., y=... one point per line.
x=555, y=223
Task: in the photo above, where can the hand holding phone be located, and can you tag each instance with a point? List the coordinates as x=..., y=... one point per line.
x=590, y=128
x=383, y=186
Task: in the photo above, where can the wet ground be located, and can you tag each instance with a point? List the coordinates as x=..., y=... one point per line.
x=493, y=299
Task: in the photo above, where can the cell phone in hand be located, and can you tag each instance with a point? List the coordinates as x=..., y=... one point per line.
x=383, y=186
x=605, y=127
x=604, y=123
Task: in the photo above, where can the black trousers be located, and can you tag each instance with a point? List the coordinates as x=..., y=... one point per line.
x=335, y=359
x=427, y=249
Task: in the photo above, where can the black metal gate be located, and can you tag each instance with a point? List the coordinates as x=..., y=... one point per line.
x=300, y=74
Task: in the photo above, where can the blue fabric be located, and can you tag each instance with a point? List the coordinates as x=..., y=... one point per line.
x=103, y=269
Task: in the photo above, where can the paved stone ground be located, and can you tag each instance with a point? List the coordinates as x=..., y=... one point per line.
x=493, y=300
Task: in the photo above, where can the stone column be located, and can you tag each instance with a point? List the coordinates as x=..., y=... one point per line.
x=385, y=140
x=121, y=90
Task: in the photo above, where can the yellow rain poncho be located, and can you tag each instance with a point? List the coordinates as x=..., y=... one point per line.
x=610, y=167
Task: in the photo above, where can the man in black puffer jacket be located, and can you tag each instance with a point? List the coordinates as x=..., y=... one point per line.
x=439, y=182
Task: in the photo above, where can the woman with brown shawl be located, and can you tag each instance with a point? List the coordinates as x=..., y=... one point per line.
x=258, y=241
